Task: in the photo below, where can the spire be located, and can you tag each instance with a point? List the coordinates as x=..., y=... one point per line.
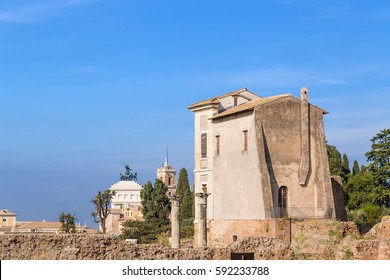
x=166, y=159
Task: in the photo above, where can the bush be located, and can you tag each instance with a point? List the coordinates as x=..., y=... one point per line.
x=187, y=228
x=144, y=232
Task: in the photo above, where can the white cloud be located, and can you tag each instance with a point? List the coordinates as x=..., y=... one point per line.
x=37, y=12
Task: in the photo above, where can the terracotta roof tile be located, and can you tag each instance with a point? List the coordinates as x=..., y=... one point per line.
x=38, y=225
x=250, y=105
x=214, y=100
x=4, y=212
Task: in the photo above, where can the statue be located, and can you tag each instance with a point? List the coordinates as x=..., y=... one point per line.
x=128, y=176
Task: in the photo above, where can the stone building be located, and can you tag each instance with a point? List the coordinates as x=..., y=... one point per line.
x=259, y=158
x=7, y=221
x=167, y=174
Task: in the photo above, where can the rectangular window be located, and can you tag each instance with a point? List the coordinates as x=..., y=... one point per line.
x=217, y=143
x=245, y=148
x=203, y=145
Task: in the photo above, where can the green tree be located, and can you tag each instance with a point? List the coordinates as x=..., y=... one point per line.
x=156, y=208
x=355, y=169
x=183, y=190
x=156, y=204
x=144, y=232
x=335, y=163
x=102, y=202
x=379, y=157
x=346, y=171
x=68, y=222
x=147, y=200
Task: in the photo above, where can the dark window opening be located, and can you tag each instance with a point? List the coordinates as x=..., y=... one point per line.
x=242, y=256
x=203, y=145
x=217, y=143
x=282, y=200
x=245, y=140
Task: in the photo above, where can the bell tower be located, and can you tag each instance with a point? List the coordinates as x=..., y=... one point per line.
x=167, y=174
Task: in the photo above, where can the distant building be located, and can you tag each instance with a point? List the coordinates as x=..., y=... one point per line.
x=167, y=174
x=126, y=204
x=8, y=220
x=9, y=225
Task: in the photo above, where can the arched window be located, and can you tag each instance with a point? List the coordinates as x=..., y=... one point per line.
x=282, y=200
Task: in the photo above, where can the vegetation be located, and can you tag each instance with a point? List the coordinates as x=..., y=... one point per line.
x=367, y=189
x=335, y=163
x=186, y=206
x=156, y=204
x=156, y=210
x=102, y=202
x=68, y=222
x=142, y=231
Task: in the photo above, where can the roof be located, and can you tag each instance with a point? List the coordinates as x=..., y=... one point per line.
x=214, y=100
x=5, y=212
x=39, y=225
x=250, y=105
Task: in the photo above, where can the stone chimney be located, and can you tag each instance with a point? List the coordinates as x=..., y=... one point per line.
x=304, y=168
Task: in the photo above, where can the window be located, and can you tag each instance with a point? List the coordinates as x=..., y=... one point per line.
x=245, y=148
x=217, y=143
x=282, y=200
x=203, y=145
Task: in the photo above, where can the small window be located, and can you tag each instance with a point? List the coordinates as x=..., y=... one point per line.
x=282, y=200
x=217, y=143
x=245, y=148
x=203, y=144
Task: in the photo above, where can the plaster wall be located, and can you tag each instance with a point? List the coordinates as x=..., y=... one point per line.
x=235, y=170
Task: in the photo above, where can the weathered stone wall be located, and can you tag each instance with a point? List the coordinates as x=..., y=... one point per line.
x=221, y=233
x=100, y=247
x=315, y=239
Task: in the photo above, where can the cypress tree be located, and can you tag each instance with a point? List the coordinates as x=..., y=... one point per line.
x=147, y=200
x=161, y=204
x=335, y=163
x=346, y=171
x=183, y=189
x=182, y=183
x=356, y=169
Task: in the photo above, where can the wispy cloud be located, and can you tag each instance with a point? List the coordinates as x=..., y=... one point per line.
x=38, y=11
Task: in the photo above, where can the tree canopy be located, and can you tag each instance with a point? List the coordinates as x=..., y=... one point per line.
x=379, y=157
x=183, y=190
x=335, y=163
x=156, y=204
x=68, y=222
x=367, y=190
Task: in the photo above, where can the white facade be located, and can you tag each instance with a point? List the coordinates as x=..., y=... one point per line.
x=127, y=193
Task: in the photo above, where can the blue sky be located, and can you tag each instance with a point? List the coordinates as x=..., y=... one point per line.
x=87, y=85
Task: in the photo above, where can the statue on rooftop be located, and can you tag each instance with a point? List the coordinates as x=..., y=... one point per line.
x=128, y=176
